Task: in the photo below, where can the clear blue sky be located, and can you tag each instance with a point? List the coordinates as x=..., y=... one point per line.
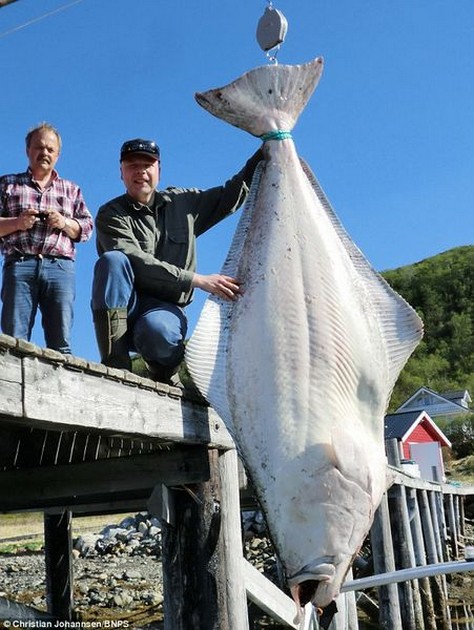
x=389, y=131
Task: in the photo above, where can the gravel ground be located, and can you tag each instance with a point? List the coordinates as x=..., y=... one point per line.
x=125, y=586
x=118, y=574
x=105, y=587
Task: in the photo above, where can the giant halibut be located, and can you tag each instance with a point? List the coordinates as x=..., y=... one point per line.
x=301, y=367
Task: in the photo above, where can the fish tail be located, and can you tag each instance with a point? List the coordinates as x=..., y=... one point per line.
x=266, y=99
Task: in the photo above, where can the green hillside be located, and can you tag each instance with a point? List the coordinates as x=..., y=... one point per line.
x=441, y=289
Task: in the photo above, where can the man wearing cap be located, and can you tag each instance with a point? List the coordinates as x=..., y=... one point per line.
x=42, y=218
x=146, y=272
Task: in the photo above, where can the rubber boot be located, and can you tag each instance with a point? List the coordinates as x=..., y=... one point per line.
x=163, y=373
x=111, y=334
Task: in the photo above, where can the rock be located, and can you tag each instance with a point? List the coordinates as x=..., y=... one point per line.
x=154, y=531
x=142, y=527
x=121, y=600
x=130, y=574
x=152, y=599
x=95, y=597
x=128, y=522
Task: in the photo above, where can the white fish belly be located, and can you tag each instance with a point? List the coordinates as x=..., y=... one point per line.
x=306, y=374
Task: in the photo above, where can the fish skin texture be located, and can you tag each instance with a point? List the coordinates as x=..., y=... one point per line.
x=302, y=366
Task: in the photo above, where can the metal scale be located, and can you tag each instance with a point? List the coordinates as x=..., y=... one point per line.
x=271, y=31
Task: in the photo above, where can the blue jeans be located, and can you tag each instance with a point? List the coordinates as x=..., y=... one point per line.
x=157, y=329
x=44, y=283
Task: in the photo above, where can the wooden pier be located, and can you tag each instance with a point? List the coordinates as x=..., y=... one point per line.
x=79, y=438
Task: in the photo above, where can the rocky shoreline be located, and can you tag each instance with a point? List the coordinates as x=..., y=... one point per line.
x=118, y=573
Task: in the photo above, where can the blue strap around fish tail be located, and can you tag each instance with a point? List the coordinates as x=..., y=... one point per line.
x=279, y=134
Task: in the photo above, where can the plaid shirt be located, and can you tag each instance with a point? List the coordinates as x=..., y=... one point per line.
x=20, y=191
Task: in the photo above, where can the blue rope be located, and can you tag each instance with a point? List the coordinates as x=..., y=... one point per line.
x=276, y=135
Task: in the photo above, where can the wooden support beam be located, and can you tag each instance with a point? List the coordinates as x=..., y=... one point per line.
x=384, y=562
x=420, y=559
x=232, y=585
x=58, y=560
x=198, y=585
x=438, y=583
x=11, y=400
x=39, y=488
x=410, y=603
x=453, y=534
x=269, y=597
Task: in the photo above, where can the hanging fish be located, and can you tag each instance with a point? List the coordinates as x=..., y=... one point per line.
x=301, y=367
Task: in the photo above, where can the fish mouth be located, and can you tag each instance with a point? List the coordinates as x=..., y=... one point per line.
x=315, y=583
x=304, y=592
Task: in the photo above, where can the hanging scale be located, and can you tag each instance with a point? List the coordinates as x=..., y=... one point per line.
x=271, y=32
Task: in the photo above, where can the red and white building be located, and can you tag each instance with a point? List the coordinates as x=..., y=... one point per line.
x=420, y=442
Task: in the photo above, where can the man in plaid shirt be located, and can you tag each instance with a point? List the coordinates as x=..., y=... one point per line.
x=42, y=217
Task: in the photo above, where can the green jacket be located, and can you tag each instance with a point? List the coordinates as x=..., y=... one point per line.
x=160, y=239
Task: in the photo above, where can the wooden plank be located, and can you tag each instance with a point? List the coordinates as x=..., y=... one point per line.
x=438, y=583
x=437, y=526
x=453, y=533
x=235, y=598
x=58, y=561
x=462, y=517
x=26, y=447
x=384, y=561
x=420, y=559
x=401, y=478
x=38, y=487
x=11, y=398
x=109, y=505
x=410, y=603
x=268, y=596
x=112, y=406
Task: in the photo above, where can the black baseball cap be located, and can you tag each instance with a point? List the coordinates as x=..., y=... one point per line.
x=139, y=145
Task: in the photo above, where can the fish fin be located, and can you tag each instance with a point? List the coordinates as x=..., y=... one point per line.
x=267, y=98
x=401, y=327
x=206, y=350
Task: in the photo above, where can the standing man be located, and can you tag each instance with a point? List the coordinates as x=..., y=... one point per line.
x=42, y=217
x=146, y=273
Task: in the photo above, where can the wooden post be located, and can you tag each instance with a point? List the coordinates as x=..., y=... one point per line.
x=453, y=534
x=462, y=517
x=433, y=511
x=384, y=562
x=410, y=603
x=420, y=559
x=231, y=542
x=58, y=560
x=194, y=563
x=439, y=500
x=438, y=583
